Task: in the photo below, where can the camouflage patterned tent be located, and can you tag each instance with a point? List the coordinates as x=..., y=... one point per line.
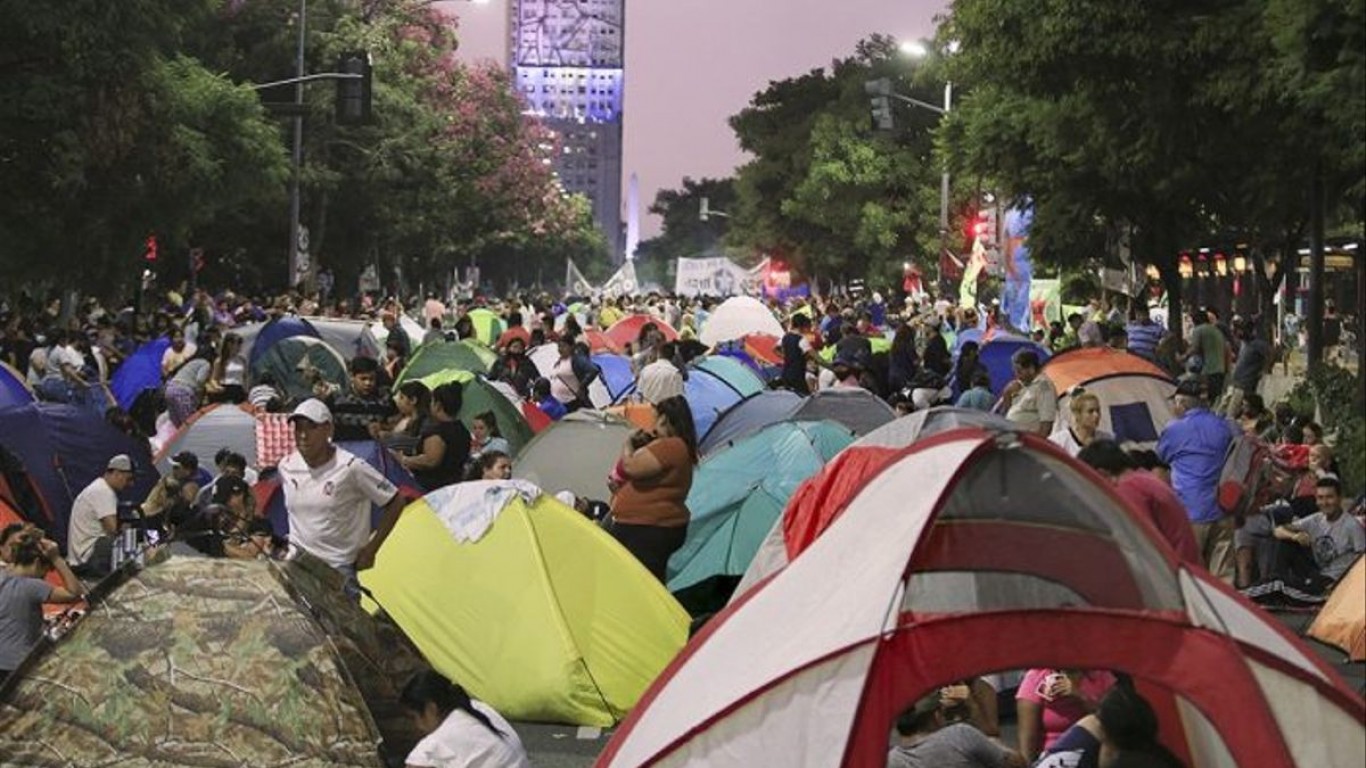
x=203, y=662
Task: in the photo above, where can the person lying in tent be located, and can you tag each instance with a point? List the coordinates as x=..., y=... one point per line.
x=929, y=741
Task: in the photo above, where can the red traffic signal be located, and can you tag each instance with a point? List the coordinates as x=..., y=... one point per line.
x=150, y=250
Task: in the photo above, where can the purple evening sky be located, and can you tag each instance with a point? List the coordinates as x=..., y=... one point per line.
x=691, y=64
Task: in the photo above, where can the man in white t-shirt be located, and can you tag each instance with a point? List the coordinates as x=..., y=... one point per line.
x=94, y=513
x=1030, y=400
x=328, y=494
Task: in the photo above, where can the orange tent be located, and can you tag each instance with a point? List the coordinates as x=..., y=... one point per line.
x=1077, y=366
x=1342, y=622
x=638, y=415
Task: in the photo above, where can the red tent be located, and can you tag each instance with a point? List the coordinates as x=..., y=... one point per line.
x=598, y=341
x=973, y=552
x=763, y=348
x=627, y=330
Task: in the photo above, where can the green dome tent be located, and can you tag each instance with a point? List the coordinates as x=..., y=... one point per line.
x=481, y=396
x=488, y=326
x=293, y=360
x=442, y=356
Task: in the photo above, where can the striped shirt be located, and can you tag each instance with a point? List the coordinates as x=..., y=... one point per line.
x=1143, y=339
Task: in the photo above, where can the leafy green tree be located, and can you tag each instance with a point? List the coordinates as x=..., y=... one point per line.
x=684, y=234
x=1162, y=115
x=826, y=191
x=107, y=134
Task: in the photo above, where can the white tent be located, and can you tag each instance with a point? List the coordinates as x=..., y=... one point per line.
x=973, y=552
x=545, y=357
x=736, y=317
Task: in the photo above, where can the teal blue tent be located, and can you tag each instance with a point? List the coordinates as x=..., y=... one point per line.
x=737, y=494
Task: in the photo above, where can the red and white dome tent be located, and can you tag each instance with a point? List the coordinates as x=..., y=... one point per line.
x=968, y=553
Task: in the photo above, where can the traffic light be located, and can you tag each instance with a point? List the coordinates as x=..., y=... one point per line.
x=882, y=113
x=985, y=224
x=880, y=91
x=353, y=93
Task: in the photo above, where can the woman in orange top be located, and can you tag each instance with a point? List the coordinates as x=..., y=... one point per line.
x=649, y=509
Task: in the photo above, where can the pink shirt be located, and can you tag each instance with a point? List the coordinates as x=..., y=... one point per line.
x=1062, y=713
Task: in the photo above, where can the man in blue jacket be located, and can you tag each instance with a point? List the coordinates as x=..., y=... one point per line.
x=1194, y=446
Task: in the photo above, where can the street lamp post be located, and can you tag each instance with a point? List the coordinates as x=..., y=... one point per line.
x=882, y=89
x=297, y=157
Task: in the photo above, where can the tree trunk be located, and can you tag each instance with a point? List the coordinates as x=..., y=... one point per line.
x=1314, y=319
x=1159, y=249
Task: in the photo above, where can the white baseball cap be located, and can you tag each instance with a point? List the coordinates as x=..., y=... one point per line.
x=120, y=463
x=314, y=410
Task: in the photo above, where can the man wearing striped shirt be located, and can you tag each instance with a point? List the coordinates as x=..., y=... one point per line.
x=1144, y=334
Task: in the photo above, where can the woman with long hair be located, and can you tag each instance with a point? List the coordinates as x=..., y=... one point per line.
x=461, y=731
x=649, y=504
x=486, y=436
x=414, y=404
x=228, y=381
x=444, y=443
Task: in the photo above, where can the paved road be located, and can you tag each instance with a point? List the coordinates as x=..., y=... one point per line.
x=561, y=746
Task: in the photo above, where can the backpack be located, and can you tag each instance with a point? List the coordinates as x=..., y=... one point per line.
x=1243, y=480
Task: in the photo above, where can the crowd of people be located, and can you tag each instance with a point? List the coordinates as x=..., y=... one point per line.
x=1302, y=542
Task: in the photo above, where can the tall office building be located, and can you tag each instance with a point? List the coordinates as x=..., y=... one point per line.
x=568, y=60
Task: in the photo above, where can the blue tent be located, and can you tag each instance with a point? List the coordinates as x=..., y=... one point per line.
x=734, y=352
x=65, y=447
x=276, y=330
x=271, y=498
x=995, y=355
x=139, y=373
x=715, y=384
x=13, y=389
x=749, y=416
x=964, y=336
x=736, y=374
x=737, y=495
x=617, y=375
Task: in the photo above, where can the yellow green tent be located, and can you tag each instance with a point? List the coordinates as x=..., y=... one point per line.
x=544, y=616
x=488, y=326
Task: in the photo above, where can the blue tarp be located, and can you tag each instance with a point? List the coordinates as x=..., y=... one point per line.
x=277, y=329
x=750, y=415
x=64, y=448
x=375, y=454
x=12, y=388
x=739, y=492
x=140, y=372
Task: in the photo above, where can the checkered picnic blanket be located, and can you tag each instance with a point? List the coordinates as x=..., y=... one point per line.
x=274, y=438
